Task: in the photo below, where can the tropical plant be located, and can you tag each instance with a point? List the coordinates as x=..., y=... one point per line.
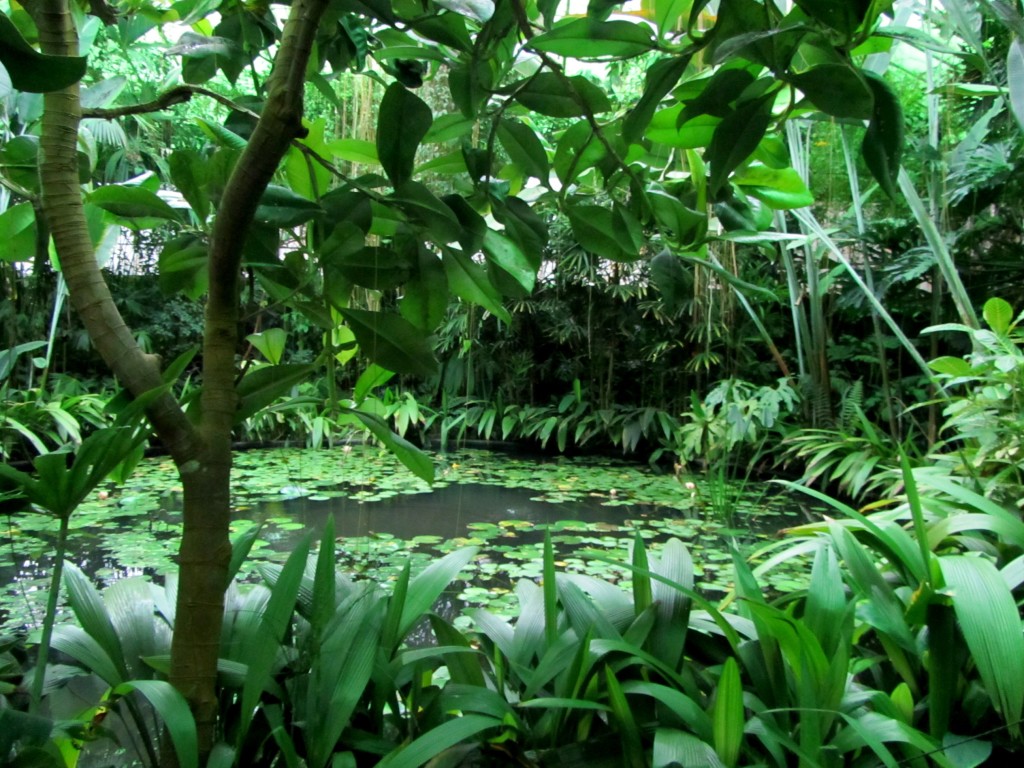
x=371, y=259
x=733, y=422
x=983, y=432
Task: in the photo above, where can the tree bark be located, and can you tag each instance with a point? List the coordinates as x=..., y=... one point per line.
x=202, y=455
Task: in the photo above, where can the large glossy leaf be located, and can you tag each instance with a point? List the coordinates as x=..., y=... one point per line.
x=271, y=343
x=469, y=281
x=189, y=174
x=263, y=645
x=391, y=341
x=882, y=147
x=131, y=202
x=559, y=96
x=182, y=266
x=18, y=233
x=355, y=151
x=612, y=234
x=415, y=460
x=505, y=254
x=684, y=225
x=694, y=133
x=661, y=78
x=281, y=207
x=578, y=150
x=671, y=280
x=588, y=39
x=426, y=209
x=31, y=70
x=262, y=386
x=404, y=120
x=173, y=710
x=838, y=90
x=990, y=621
x=436, y=740
x=91, y=613
x=841, y=15
x=778, y=188
x=425, y=295
x=727, y=714
x=1015, y=79
x=524, y=149
x=736, y=138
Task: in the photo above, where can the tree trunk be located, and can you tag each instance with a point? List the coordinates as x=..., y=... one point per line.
x=202, y=455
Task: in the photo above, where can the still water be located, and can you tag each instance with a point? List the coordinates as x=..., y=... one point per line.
x=383, y=517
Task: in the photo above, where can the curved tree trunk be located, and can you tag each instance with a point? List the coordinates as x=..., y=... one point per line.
x=202, y=454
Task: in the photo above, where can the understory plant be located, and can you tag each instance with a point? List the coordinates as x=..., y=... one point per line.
x=895, y=651
x=983, y=434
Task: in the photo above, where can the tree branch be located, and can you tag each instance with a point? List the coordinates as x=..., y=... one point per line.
x=177, y=95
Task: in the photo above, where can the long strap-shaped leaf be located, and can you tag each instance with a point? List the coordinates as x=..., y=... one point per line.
x=808, y=219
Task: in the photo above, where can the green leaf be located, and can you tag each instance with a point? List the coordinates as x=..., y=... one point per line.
x=415, y=460
x=661, y=78
x=674, y=748
x=182, y=267
x=424, y=208
x=221, y=135
x=841, y=15
x=588, y=39
x=425, y=295
x=436, y=740
x=727, y=715
x=375, y=268
x=355, y=151
x=92, y=615
x=131, y=202
x=779, y=188
x=404, y=119
x=103, y=93
x=837, y=89
x=426, y=588
x=998, y=314
x=578, y=150
x=374, y=376
x=174, y=711
x=694, y=133
x=524, y=149
x=882, y=147
x=1015, y=79
x=18, y=233
x=671, y=280
x=469, y=281
x=611, y=234
x=736, y=138
x=263, y=644
x=988, y=617
x=271, y=343
x=262, y=386
x=281, y=207
x=392, y=342
x=505, y=254
x=32, y=71
x=189, y=174
x=951, y=366
x=558, y=96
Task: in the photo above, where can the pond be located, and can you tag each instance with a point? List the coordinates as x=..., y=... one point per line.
x=385, y=517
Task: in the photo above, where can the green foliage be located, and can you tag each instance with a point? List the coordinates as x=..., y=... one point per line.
x=983, y=429
x=735, y=414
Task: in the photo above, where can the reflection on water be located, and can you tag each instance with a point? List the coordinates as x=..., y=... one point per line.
x=114, y=545
x=444, y=512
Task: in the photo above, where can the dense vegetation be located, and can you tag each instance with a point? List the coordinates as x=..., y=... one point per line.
x=745, y=237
